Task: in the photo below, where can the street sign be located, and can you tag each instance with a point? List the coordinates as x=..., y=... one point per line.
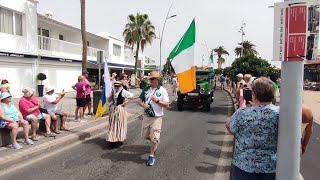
x=296, y=31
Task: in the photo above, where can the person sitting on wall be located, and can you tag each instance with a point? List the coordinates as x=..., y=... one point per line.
x=30, y=110
x=11, y=118
x=50, y=103
x=5, y=86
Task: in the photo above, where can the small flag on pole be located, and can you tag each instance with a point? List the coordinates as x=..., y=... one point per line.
x=106, y=92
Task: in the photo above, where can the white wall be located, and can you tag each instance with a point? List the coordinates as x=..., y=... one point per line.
x=58, y=76
x=19, y=72
x=28, y=42
x=116, y=59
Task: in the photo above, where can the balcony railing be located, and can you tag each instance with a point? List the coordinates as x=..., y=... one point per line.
x=129, y=59
x=66, y=49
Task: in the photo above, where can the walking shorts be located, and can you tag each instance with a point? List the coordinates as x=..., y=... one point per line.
x=151, y=128
x=81, y=102
x=88, y=98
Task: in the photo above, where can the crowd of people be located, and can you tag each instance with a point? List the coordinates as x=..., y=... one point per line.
x=255, y=126
x=31, y=111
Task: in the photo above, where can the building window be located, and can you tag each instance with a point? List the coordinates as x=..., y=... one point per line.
x=61, y=37
x=88, y=44
x=18, y=24
x=116, y=50
x=6, y=21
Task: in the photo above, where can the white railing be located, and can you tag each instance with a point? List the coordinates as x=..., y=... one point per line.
x=52, y=46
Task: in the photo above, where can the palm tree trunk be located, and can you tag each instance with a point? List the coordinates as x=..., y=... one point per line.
x=219, y=61
x=84, y=35
x=137, y=57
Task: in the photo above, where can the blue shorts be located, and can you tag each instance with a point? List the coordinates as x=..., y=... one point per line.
x=39, y=117
x=238, y=174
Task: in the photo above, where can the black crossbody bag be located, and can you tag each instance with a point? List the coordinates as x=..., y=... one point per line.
x=150, y=112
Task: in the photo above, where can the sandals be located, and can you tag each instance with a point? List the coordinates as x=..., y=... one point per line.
x=57, y=131
x=50, y=135
x=64, y=129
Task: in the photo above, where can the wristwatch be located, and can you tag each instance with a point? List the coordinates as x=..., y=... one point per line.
x=158, y=101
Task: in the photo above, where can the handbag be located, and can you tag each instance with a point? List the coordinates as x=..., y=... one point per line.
x=42, y=110
x=150, y=112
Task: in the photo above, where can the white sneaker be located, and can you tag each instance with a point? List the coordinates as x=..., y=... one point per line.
x=16, y=146
x=87, y=117
x=83, y=121
x=28, y=142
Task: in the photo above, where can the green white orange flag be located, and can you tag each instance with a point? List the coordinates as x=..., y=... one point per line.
x=182, y=60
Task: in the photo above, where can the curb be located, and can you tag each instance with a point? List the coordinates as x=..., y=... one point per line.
x=24, y=155
x=233, y=100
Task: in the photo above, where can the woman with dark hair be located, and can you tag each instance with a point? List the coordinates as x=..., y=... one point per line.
x=256, y=134
x=124, y=80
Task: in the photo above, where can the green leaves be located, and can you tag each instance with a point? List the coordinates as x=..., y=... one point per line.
x=248, y=49
x=138, y=31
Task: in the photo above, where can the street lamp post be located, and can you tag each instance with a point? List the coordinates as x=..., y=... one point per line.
x=242, y=34
x=167, y=17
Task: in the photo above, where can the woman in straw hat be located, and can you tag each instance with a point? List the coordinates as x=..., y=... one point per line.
x=117, y=125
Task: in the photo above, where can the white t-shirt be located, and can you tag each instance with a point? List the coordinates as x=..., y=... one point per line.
x=47, y=102
x=161, y=94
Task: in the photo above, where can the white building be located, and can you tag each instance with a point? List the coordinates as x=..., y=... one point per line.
x=31, y=43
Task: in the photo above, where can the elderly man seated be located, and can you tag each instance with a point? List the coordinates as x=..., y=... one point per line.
x=50, y=103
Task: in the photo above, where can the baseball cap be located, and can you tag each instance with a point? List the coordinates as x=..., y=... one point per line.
x=85, y=72
x=240, y=75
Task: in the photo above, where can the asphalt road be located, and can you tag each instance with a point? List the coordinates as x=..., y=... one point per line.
x=193, y=146
x=310, y=161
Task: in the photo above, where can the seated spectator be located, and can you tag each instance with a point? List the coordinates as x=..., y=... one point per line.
x=256, y=134
x=50, y=103
x=5, y=86
x=30, y=110
x=11, y=118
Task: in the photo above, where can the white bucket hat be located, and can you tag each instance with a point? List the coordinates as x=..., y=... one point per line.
x=4, y=95
x=48, y=89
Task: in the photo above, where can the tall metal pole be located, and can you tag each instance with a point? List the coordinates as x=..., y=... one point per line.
x=167, y=17
x=242, y=34
x=289, y=130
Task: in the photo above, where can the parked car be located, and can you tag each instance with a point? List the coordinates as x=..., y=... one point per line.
x=202, y=95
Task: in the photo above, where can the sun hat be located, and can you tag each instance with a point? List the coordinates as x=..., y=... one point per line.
x=240, y=75
x=117, y=83
x=4, y=95
x=27, y=92
x=154, y=74
x=48, y=89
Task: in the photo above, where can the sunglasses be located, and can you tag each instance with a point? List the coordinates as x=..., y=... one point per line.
x=116, y=86
x=151, y=79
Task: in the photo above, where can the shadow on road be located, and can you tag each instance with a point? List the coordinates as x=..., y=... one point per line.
x=212, y=168
x=210, y=132
x=217, y=153
x=219, y=143
x=132, y=153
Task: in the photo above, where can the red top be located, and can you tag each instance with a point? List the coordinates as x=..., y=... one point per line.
x=25, y=105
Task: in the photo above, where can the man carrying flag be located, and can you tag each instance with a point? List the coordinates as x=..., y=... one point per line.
x=182, y=60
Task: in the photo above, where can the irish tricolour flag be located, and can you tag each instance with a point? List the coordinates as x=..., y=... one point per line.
x=182, y=60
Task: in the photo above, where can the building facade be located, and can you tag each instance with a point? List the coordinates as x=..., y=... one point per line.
x=31, y=43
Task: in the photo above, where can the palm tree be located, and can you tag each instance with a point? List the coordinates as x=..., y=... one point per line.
x=220, y=51
x=248, y=49
x=138, y=32
x=84, y=35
